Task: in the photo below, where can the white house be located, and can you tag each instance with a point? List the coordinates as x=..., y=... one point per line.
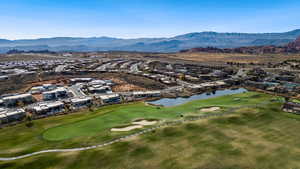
x=146, y=94
x=81, y=102
x=46, y=108
x=110, y=98
x=13, y=101
x=10, y=115
x=37, y=89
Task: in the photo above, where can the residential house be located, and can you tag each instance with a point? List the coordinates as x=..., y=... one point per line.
x=81, y=102
x=97, y=82
x=17, y=100
x=47, y=108
x=99, y=89
x=146, y=94
x=59, y=93
x=208, y=85
x=49, y=86
x=80, y=80
x=291, y=107
x=37, y=89
x=110, y=98
x=285, y=78
x=258, y=85
x=1, y=103
x=11, y=115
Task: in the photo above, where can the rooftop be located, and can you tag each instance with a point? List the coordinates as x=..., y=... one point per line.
x=10, y=112
x=45, y=105
x=108, y=96
x=17, y=96
x=75, y=100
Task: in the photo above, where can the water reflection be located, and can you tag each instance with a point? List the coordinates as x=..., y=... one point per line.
x=167, y=102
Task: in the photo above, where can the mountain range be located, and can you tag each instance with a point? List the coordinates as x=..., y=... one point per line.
x=292, y=47
x=173, y=44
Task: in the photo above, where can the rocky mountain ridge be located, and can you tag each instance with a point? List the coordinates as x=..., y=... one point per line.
x=173, y=44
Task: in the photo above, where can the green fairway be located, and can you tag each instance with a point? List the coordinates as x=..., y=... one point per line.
x=89, y=128
x=127, y=113
x=259, y=136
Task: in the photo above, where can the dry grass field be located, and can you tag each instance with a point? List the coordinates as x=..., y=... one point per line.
x=224, y=57
x=29, y=57
x=206, y=58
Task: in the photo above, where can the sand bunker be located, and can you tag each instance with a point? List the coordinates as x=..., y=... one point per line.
x=145, y=122
x=128, y=128
x=210, y=109
x=135, y=125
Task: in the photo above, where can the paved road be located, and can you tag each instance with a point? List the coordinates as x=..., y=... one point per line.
x=168, y=123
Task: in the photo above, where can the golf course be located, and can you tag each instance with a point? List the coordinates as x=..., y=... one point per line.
x=256, y=134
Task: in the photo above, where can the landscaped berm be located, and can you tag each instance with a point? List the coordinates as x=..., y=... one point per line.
x=257, y=135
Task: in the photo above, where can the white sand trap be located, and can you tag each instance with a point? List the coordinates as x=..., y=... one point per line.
x=211, y=109
x=128, y=128
x=145, y=122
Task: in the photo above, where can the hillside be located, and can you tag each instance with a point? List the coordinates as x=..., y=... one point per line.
x=295, y=44
x=292, y=47
x=173, y=44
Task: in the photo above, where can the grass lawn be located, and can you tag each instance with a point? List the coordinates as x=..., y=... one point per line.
x=296, y=100
x=125, y=114
x=89, y=128
x=260, y=137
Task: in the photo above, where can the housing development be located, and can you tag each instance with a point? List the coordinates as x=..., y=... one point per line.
x=62, y=86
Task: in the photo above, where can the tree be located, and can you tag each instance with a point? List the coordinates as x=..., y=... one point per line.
x=28, y=119
x=287, y=99
x=90, y=106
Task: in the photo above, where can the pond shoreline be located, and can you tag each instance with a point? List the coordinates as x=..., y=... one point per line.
x=169, y=102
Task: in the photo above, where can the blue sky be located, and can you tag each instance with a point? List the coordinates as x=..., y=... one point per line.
x=143, y=18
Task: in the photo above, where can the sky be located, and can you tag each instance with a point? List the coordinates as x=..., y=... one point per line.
x=28, y=19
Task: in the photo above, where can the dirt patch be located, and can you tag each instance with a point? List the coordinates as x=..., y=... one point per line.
x=29, y=57
x=59, y=81
x=210, y=109
x=144, y=82
x=38, y=97
x=123, y=86
x=230, y=57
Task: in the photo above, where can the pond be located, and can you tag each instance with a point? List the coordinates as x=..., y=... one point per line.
x=168, y=102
